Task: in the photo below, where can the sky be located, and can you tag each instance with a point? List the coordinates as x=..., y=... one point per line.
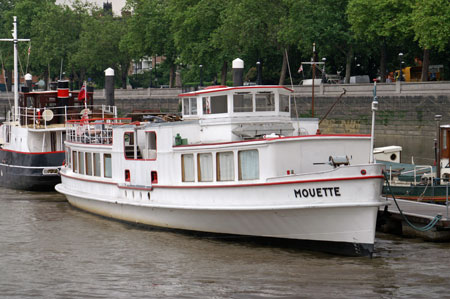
x=116, y=4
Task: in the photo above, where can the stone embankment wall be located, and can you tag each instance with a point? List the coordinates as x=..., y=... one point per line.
x=405, y=113
x=405, y=116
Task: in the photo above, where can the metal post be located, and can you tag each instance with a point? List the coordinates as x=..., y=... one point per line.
x=259, y=73
x=400, y=76
x=313, y=77
x=374, y=109
x=201, y=75
x=15, y=40
x=438, y=118
x=446, y=197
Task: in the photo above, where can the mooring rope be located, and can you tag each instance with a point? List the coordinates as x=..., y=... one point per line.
x=427, y=227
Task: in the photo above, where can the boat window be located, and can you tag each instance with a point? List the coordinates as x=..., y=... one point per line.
x=154, y=177
x=97, y=170
x=248, y=165
x=89, y=163
x=187, y=168
x=74, y=161
x=107, y=165
x=128, y=144
x=8, y=134
x=284, y=103
x=127, y=175
x=149, y=151
x=219, y=104
x=81, y=162
x=243, y=102
x=190, y=106
x=68, y=160
x=225, y=166
x=265, y=101
x=205, y=168
x=206, y=105
x=444, y=139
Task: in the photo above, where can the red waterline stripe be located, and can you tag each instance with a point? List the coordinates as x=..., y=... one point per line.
x=227, y=186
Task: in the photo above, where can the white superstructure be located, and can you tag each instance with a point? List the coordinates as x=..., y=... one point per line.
x=237, y=164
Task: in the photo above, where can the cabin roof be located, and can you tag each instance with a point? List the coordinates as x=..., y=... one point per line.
x=216, y=89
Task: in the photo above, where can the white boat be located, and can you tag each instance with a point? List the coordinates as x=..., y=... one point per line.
x=237, y=164
x=32, y=137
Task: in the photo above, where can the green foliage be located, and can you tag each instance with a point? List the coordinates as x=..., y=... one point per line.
x=189, y=33
x=431, y=23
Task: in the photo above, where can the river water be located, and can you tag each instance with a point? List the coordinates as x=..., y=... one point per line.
x=49, y=249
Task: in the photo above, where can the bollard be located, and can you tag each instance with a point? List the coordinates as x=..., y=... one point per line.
x=238, y=72
x=109, y=86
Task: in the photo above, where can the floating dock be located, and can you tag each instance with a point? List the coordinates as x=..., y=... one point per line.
x=419, y=214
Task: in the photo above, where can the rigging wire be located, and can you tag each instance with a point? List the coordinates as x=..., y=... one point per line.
x=292, y=87
x=28, y=57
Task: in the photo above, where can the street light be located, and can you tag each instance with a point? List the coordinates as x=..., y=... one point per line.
x=150, y=69
x=258, y=74
x=400, y=56
x=324, y=78
x=201, y=74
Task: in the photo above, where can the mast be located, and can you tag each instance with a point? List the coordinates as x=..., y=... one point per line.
x=15, y=40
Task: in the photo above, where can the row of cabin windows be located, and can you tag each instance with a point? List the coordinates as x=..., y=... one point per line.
x=242, y=102
x=248, y=166
x=89, y=163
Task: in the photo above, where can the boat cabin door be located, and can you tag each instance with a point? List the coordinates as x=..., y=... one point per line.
x=445, y=143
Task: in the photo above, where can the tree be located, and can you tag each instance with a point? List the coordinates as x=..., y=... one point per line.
x=150, y=33
x=249, y=29
x=380, y=22
x=193, y=24
x=431, y=26
x=52, y=49
x=99, y=46
x=324, y=23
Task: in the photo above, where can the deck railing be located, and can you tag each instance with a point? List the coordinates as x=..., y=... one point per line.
x=41, y=118
x=93, y=131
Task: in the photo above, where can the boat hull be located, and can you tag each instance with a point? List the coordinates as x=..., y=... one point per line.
x=341, y=227
x=30, y=171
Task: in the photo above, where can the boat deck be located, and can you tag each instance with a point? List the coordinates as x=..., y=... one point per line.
x=418, y=213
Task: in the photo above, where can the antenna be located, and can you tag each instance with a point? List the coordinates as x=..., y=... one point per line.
x=15, y=40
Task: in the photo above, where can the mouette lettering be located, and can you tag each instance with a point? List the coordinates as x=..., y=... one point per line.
x=317, y=192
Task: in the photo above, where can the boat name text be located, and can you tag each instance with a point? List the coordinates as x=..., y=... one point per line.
x=317, y=192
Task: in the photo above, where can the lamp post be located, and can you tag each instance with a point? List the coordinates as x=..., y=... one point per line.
x=258, y=76
x=201, y=74
x=400, y=76
x=150, y=69
x=324, y=77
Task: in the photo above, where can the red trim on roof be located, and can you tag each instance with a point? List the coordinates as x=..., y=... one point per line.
x=221, y=89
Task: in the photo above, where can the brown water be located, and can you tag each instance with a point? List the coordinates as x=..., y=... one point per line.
x=50, y=250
